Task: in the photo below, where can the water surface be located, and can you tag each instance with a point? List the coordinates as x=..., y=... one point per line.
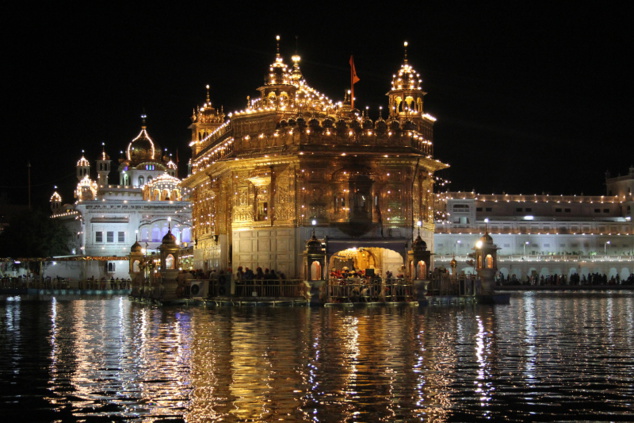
x=545, y=357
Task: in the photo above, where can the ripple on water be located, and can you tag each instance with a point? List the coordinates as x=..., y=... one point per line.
x=545, y=357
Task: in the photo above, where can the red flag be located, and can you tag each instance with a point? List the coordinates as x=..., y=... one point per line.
x=353, y=80
x=353, y=72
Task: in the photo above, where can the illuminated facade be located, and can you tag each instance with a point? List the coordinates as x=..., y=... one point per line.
x=108, y=219
x=542, y=234
x=296, y=163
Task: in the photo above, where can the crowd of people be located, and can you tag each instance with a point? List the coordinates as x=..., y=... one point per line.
x=245, y=275
x=591, y=279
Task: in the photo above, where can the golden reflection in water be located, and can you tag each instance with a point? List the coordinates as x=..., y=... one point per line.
x=483, y=380
x=538, y=358
x=244, y=368
x=140, y=367
x=438, y=369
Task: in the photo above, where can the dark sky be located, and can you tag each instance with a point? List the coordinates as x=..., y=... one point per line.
x=530, y=97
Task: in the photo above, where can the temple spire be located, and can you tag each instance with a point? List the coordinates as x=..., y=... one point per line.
x=405, y=44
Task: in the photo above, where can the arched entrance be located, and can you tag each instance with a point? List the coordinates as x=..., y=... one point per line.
x=367, y=274
x=366, y=262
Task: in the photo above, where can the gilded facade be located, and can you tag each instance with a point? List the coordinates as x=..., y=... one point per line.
x=295, y=163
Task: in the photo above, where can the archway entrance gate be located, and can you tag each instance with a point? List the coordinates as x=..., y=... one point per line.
x=367, y=270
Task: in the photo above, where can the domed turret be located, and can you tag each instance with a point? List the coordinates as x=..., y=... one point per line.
x=163, y=188
x=142, y=147
x=169, y=238
x=406, y=95
x=136, y=248
x=313, y=244
x=419, y=244
x=56, y=202
x=83, y=167
x=486, y=252
x=278, y=71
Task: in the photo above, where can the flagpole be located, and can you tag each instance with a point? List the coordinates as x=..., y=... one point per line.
x=351, y=84
x=353, y=80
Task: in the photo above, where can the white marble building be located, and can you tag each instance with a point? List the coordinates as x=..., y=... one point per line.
x=541, y=234
x=107, y=219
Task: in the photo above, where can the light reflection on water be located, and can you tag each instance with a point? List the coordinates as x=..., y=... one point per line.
x=545, y=357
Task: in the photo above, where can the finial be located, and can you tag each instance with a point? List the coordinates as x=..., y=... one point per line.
x=381, y=112
x=208, y=98
x=143, y=119
x=405, y=44
x=277, y=39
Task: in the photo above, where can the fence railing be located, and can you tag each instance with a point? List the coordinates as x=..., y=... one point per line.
x=287, y=288
x=63, y=283
x=393, y=290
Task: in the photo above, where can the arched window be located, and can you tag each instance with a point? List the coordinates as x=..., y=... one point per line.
x=169, y=261
x=489, y=261
x=315, y=271
x=135, y=266
x=421, y=270
x=141, y=180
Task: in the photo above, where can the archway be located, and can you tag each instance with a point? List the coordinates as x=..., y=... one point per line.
x=421, y=270
x=169, y=261
x=489, y=261
x=366, y=261
x=315, y=271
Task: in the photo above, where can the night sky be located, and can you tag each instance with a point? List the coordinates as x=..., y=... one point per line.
x=529, y=97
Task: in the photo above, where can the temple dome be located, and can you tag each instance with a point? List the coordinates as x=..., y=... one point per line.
x=136, y=248
x=83, y=162
x=406, y=78
x=141, y=148
x=169, y=238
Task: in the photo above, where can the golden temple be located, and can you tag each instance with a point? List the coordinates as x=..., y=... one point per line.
x=296, y=166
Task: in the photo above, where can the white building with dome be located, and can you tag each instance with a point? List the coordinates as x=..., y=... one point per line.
x=107, y=219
